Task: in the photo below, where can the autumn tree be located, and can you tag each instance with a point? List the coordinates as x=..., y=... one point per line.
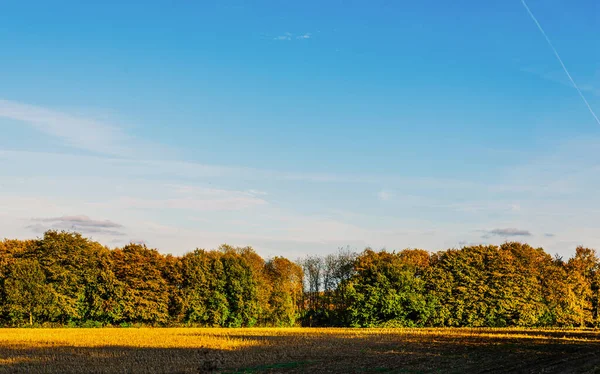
x=459, y=282
x=285, y=278
x=146, y=294
x=583, y=278
x=64, y=278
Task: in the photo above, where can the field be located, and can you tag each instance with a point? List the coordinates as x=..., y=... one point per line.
x=191, y=350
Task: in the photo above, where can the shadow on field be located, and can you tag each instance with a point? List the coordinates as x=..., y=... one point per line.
x=110, y=359
x=457, y=351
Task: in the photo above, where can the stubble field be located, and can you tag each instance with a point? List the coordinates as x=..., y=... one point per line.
x=297, y=350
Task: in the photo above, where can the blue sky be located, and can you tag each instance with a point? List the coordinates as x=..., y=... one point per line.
x=300, y=127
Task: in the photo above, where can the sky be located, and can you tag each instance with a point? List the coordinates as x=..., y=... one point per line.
x=301, y=127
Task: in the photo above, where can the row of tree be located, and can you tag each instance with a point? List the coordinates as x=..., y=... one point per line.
x=493, y=286
x=66, y=279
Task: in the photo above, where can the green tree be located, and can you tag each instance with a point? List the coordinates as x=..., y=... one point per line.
x=103, y=292
x=262, y=286
x=387, y=291
x=65, y=259
x=203, y=289
x=26, y=291
x=173, y=274
x=240, y=290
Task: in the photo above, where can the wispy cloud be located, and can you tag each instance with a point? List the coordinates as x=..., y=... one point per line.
x=170, y=191
x=286, y=36
x=79, y=223
x=124, y=167
x=552, y=75
x=78, y=132
x=558, y=76
x=257, y=193
x=195, y=198
x=592, y=85
x=508, y=232
x=289, y=36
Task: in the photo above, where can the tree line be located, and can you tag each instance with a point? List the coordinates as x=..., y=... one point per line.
x=65, y=279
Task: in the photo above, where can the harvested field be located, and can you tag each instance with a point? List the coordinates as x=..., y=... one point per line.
x=296, y=350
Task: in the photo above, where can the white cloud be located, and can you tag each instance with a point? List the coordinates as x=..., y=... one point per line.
x=286, y=36
x=200, y=198
x=79, y=132
x=289, y=36
x=257, y=193
x=228, y=200
x=166, y=169
x=554, y=192
x=384, y=195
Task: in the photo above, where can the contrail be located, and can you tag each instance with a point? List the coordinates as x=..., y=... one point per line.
x=560, y=60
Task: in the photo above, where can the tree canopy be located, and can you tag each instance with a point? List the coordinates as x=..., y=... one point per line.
x=64, y=278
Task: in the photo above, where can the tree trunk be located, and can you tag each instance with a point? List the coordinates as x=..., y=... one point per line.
x=30, y=319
